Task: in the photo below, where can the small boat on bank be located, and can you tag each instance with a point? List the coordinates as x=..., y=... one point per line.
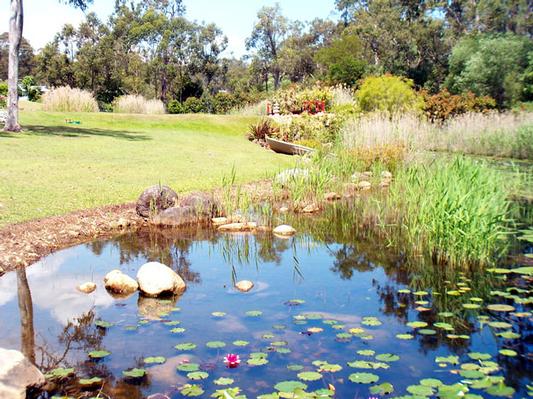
x=284, y=147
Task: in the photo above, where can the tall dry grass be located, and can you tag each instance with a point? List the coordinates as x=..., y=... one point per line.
x=68, y=99
x=342, y=95
x=136, y=104
x=495, y=134
x=257, y=109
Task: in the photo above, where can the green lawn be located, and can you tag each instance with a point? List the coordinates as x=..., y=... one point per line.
x=53, y=168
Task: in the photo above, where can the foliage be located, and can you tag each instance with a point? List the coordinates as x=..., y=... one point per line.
x=491, y=65
x=292, y=99
x=389, y=94
x=443, y=105
x=29, y=89
x=67, y=99
x=193, y=105
x=136, y=104
x=322, y=128
x=3, y=88
x=391, y=155
x=262, y=129
x=175, y=107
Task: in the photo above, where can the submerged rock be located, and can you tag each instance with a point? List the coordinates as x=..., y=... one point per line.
x=17, y=375
x=87, y=288
x=119, y=283
x=284, y=230
x=157, y=279
x=154, y=200
x=178, y=217
x=244, y=285
x=236, y=227
x=155, y=308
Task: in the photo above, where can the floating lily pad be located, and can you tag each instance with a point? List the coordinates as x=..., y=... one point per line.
x=177, y=330
x=508, y=352
x=295, y=367
x=420, y=390
x=186, y=346
x=446, y=314
x=404, y=291
x=188, y=367
x=240, y=343
x=509, y=335
x=382, y=389
x=309, y=376
x=471, y=306
x=154, y=360
x=500, y=324
x=99, y=354
x=500, y=308
x=405, y=336
x=218, y=314
x=172, y=323
x=387, y=357
x=500, y=390
x=254, y=313
x=526, y=270
x=191, y=390
x=479, y=356
x=103, y=324
x=363, y=378
x=224, y=381
x=371, y=321
x=134, y=373
x=431, y=382
x=59, y=373
x=417, y=324
x=447, y=359
x=444, y=326
x=366, y=352
x=215, y=344
x=329, y=368
x=356, y=330
x=289, y=386
x=197, y=375
x=427, y=331
x=257, y=361
x=90, y=381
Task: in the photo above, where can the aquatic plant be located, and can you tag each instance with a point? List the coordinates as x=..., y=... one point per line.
x=232, y=360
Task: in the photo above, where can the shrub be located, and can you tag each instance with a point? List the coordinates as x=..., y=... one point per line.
x=3, y=88
x=224, y=102
x=390, y=94
x=136, y=104
x=175, y=107
x=262, y=129
x=29, y=88
x=443, y=105
x=291, y=101
x=3, y=101
x=193, y=105
x=323, y=128
x=67, y=99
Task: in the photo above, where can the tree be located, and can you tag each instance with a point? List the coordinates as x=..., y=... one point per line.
x=16, y=24
x=267, y=37
x=26, y=57
x=491, y=65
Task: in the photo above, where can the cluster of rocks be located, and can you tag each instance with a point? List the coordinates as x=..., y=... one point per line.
x=18, y=376
x=154, y=279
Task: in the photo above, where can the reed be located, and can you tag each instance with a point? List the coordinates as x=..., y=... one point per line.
x=68, y=99
x=136, y=104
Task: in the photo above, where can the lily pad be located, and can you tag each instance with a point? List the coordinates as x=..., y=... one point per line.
x=431, y=382
x=309, y=376
x=405, y=336
x=134, y=373
x=191, y=390
x=154, y=360
x=103, y=324
x=508, y=352
x=197, y=375
x=224, y=381
x=177, y=330
x=215, y=344
x=501, y=308
x=366, y=352
x=90, y=381
x=186, y=346
x=218, y=314
x=500, y=390
x=387, y=357
x=417, y=324
x=254, y=313
x=188, y=367
x=59, y=373
x=240, y=343
x=382, y=389
x=363, y=378
x=289, y=386
x=420, y=390
x=99, y=354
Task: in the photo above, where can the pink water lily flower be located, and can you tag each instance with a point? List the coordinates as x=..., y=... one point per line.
x=232, y=360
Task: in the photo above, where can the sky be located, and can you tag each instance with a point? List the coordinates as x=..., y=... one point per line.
x=44, y=18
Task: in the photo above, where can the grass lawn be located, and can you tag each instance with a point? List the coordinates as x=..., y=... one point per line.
x=53, y=167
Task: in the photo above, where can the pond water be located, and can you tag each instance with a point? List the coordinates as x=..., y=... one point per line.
x=321, y=303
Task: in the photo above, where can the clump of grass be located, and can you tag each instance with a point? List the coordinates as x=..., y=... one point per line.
x=68, y=99
x=458, y=211
x=257, y=109
x=342, y=95
x=136, y=104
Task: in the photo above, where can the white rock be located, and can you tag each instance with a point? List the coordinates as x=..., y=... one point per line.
x=238, y=227
x=284, y=209
x=284, y=230
x=119, y=283
x=244, y=285
x=219, y=221
x=17, y=374
x=364, y=185
x=87, y=288
x=156, y=279
x=386, y=174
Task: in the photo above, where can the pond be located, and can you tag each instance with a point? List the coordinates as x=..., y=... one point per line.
x=329, y=314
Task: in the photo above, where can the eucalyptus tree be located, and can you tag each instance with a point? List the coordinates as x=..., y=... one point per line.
x=16, y=25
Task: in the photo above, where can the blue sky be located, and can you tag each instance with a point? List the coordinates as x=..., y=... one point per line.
x=43, y=18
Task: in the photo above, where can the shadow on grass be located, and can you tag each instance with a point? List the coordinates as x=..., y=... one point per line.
x=73, y=132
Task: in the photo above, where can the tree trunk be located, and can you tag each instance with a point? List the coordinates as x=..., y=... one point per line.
x=15, y=37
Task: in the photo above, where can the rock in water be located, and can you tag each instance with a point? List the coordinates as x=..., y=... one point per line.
x=154, y=200
x=87, y=288
x=284, y=230
x=156, y=279
x=178, y=217
x=219, y=221
x=244, y=285
x=119, y=283
x=237, y=227
x=17, y=374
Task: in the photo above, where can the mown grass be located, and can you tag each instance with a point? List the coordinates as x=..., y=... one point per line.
x=54, y=167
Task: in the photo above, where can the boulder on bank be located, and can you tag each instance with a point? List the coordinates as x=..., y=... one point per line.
x=17, y=375
x=244, y=285
x=156, y=279
x=87, y=288
x=154, y=200
x=203, y=204
x=119, y=283
x=178, y=217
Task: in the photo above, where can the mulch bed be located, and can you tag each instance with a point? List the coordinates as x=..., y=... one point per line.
x=25, y=243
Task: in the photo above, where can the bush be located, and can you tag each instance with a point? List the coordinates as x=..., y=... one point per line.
x=291, y=101
x=224, y=102
x=443, y=105
x=323, y=128
x=193, y=105
x=3, y=89
x=3, y=101
x=67, y=99
x=175, y=107
x=390, y=94
x=136, y=104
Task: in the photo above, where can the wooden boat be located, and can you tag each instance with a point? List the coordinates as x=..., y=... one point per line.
x=283, y=147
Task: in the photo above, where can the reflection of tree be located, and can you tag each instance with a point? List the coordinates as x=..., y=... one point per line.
x=27, y=333
x=348, y=259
